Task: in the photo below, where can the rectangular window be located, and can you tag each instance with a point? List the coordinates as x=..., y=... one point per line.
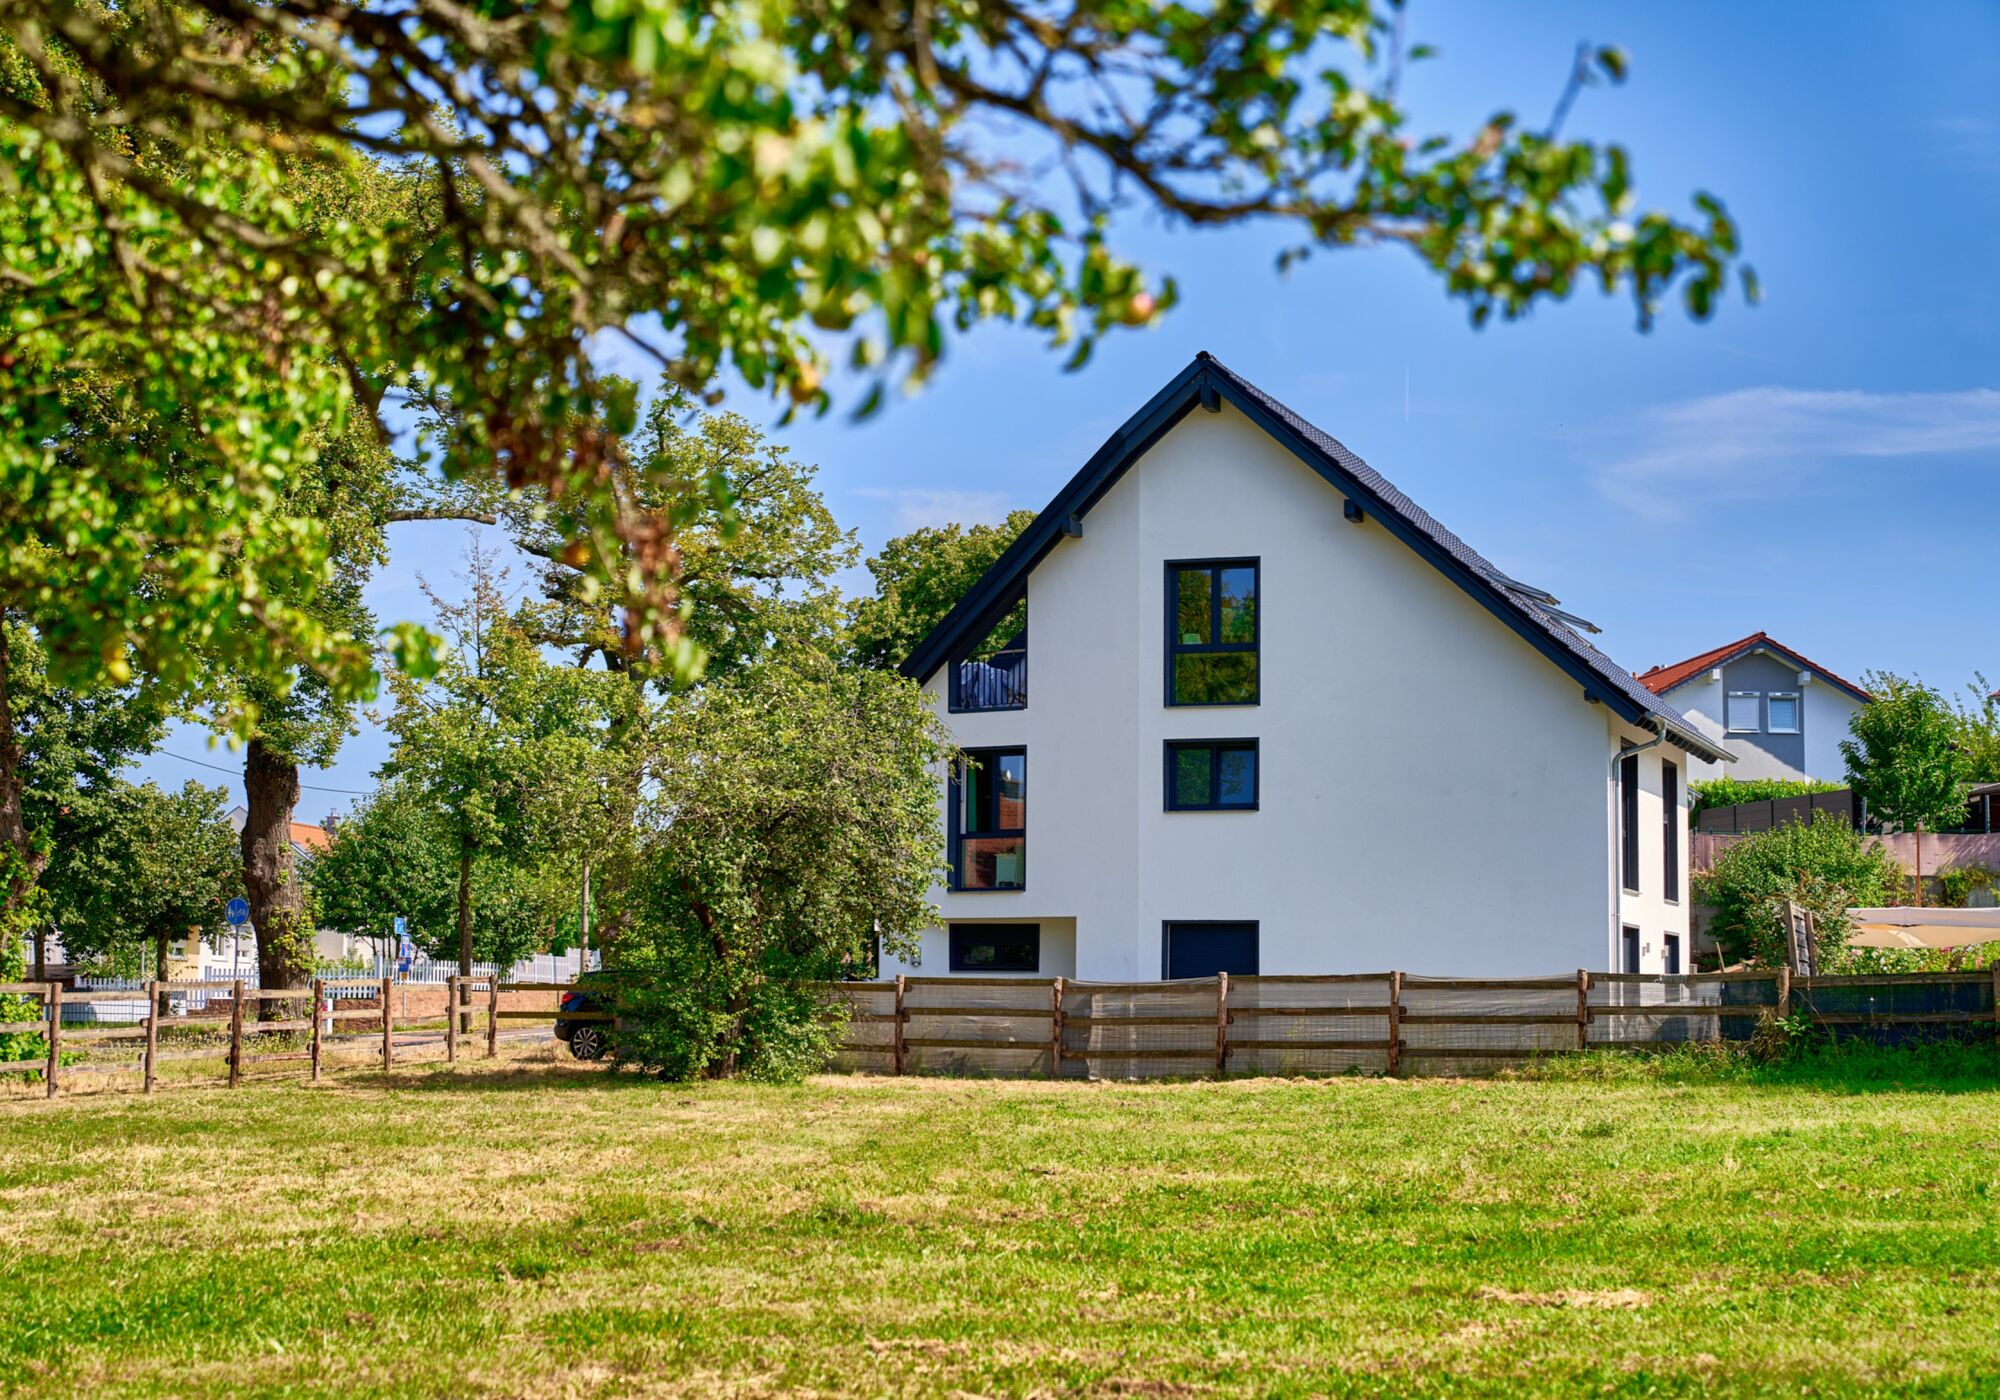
x=1212, y=632
x=1628, y=821
x=1743, y=715
x=1670, y=831
x=1671, y=947
x=1631, y=941
x=996, y=947
x=1783, y=712
x=989, y=811
x=1211, y=775
x=1204, y=948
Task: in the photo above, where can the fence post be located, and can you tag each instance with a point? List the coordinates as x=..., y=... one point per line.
x=1221, y=1022
x=1395, y=1023
x=897, y=1052
x=1582, y=1009
x=152, y=1030
x=52, y=1003
x=236, y=1033
x=1056, y=1026
x=451, y=1014
x=493, y=1014
x=388, y=1022
x=319, y=1013
x=1784, y=992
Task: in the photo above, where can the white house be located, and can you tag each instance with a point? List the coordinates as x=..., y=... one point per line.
x=1778, y=714
x=1266, y=715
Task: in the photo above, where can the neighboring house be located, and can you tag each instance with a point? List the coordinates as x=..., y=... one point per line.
x=307, y=841
x=1779, y=714
x=1280, y=720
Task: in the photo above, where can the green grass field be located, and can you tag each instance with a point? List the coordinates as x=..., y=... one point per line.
x=543, y=1229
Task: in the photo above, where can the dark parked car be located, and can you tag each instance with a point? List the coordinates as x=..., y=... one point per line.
x=588, y=1039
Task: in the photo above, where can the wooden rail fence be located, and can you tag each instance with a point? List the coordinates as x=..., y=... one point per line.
x=1386, y=1023
x=382, y=1029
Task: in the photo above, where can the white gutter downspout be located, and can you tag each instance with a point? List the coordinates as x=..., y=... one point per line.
x=1616, y=867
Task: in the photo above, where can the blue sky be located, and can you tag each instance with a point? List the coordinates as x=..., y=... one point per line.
x=1825, y=466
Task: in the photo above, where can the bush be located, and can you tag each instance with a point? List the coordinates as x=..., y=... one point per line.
x=1826, y=866
x=1956, y=886
x=794, y=823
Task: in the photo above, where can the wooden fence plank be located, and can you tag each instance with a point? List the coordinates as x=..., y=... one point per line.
x=1055, y=1029
x=1235, y=1011
x=152, y=1031
x=236, y=1034
x=1395, y=1023
x=1221, y=1022
x=902, y=1026
x=1240, y=1044
x=388, y=1023
x=52, y=1003
x=320, y=1009
x=451, y=1015
x=917, y=1042
x=1582, y=1008
x=492, y=1018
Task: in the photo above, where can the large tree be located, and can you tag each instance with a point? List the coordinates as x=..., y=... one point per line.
x=1904, y=760
x=138, y=869
x=510, y=751
x=752, y=184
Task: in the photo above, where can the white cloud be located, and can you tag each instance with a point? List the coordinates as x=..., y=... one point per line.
x=1754, y=444
x=913, y=508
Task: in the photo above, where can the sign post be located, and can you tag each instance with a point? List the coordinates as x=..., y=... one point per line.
x=237, y=911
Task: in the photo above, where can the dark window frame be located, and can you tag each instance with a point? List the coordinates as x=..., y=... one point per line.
x=959, y=835
x=1670, y=954
x=974, y=930
x=1254, y=647
x=1628, y=822
x=1216, y=746
x=1670, y=827
x=1167, y=927
x=1630, y=951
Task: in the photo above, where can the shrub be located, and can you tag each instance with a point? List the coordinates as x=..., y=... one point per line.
x=1826, y=865
x=1956, y=886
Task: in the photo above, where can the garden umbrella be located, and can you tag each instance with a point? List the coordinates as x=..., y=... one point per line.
x=1922, y=928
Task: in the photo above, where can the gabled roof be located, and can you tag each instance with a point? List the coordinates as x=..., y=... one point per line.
x=1206, y=382
x=1662, y=679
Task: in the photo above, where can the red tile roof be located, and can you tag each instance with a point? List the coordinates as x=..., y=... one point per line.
x=313, y=838
x=1662, y=679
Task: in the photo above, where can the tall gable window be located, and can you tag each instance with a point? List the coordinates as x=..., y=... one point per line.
x=989, y=820
x=994, y=674
x=1628, y=821
x=1212, y=630
x=1670, y=832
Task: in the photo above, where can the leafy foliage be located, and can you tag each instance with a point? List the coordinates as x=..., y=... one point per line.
x=1902, y=758
x=509, y=752
x=1976, y=730
x=745, y=174
x=396, y=856
x=755, y=546
x=138, y=868
x=1728, y=792
x=795, y=822
x=919, y=577
x=1825, y=865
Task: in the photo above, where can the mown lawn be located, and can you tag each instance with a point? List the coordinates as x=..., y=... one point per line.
x=548, y=1230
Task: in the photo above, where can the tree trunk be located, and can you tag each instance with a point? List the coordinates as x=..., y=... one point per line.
x=17, y=848
x=277, y=901
x=465, y=934
x=160, y=969
x=41, y=952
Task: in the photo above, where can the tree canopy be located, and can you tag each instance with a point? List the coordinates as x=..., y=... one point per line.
x=1827, y=866
x=919, y=577
x=1903, y=758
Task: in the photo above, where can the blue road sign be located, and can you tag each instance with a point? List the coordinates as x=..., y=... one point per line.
x=238, y=912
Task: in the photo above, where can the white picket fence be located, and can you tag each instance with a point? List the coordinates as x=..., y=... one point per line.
x=541, y=967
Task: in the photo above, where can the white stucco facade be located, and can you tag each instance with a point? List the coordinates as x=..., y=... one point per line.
x=1436, y=795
